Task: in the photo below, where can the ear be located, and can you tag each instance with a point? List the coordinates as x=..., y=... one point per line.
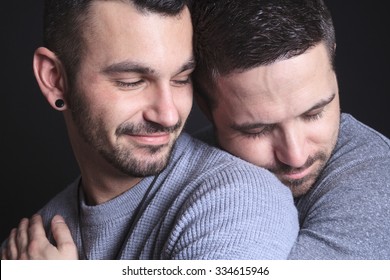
x=50, y=75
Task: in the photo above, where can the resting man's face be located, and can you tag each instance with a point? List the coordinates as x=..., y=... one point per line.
x=284, y=116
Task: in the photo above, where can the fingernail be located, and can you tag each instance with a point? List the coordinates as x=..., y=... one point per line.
x=58, y=219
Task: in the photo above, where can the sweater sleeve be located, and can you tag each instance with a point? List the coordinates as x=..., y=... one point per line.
x=235, y=214
x=349, y=218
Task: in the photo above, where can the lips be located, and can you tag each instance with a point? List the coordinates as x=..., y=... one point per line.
x=297, y=174
x=155, y=139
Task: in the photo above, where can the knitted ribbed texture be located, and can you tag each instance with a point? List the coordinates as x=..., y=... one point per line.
x=206, y=204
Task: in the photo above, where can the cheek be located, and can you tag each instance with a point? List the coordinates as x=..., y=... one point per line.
x=256, y=151
x=109, y=116
x=182, y=98
x=326, y=132
x=184, y=104
x=324, y=136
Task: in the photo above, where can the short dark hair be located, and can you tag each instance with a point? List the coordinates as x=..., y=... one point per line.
x=64, y=21
x=237, y=35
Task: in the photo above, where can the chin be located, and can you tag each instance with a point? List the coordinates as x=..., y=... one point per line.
x=300, y=187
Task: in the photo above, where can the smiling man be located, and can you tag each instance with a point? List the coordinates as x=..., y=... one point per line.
x=266, y=79
x=119, y=71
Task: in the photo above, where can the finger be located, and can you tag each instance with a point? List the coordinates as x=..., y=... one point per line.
x=61, y=233
x=22, y=239
x=38, y=241
x=63, y=237
x=4, y=253
x=36, y=230
x=12, y=249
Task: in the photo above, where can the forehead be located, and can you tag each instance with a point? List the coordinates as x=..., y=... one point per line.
x=280, y=90
x=116, y=30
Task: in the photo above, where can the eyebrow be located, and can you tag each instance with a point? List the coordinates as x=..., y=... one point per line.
x=134, y=67
x=249, y=126
x=189, y=65
x=127, y=67
x=321, y=103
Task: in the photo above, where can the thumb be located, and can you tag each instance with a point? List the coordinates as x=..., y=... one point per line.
x=62, y=235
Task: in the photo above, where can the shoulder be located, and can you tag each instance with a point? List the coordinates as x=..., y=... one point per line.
x=361, y=154
x=235, y=213
x=225, y=199
x=357, y=135
x=64, y=204
x=348, y=205
x=203, y=159
x=359, y=165
x=208, y=168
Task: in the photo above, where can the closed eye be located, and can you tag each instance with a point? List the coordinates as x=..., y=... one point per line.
x=257, y=134
x=182, y=82
x=255, y=131
x=314, y=116
x=317, y=111
x=129, y=85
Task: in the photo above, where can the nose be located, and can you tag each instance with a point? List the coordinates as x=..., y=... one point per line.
x=291, y=149
x=162, y=108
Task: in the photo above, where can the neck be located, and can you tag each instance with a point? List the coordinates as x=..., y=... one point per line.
x=98, y=190
x=101, y=181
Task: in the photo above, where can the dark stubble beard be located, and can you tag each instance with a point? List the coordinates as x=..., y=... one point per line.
x=122, y=158
x=301, y=186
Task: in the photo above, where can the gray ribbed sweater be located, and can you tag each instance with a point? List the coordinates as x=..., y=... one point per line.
x=206, y=204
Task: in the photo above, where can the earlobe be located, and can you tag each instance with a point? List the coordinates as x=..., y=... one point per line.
x=48, y=71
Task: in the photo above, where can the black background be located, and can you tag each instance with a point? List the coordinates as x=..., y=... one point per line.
x=36, y=157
